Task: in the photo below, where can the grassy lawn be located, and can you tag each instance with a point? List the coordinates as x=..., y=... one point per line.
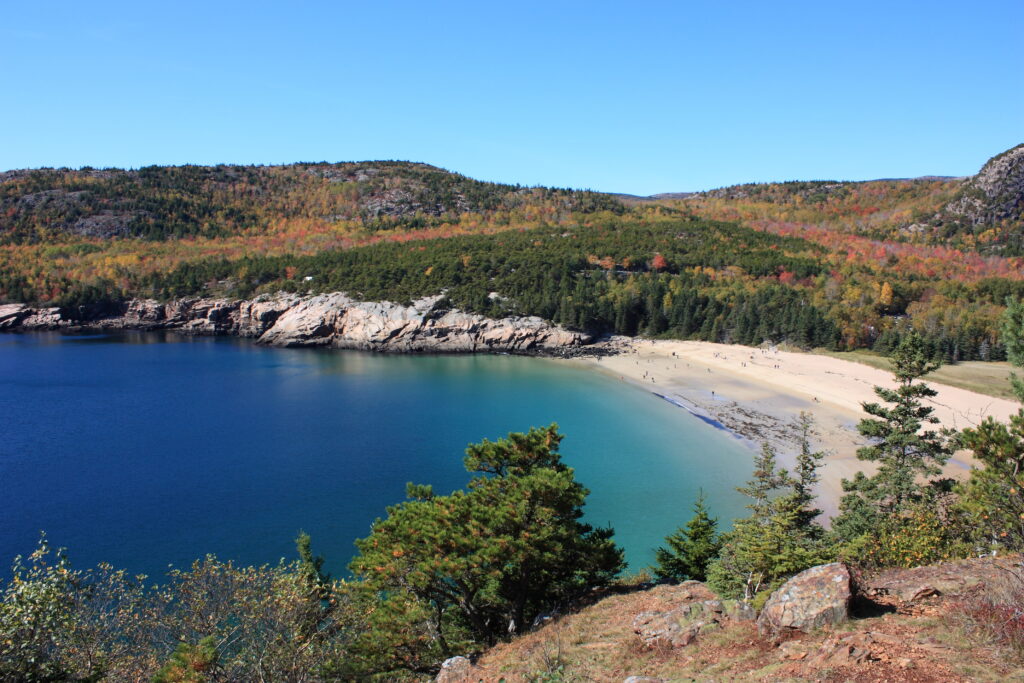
x=992, y=379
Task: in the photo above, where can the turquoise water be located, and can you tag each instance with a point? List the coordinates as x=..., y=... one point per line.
x=145, y=450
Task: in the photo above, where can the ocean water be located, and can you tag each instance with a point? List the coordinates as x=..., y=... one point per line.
x=146, y=450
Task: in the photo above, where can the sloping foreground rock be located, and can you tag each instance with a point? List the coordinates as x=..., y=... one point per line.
x=696, y=611
x=907, y=590
x=816, y=597
x=329, y=320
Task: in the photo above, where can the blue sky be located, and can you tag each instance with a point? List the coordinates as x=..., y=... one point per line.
x=637, y=97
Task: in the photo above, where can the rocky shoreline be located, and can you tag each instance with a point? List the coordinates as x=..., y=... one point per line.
x=323, y=320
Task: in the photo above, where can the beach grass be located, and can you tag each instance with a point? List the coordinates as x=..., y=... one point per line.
x=991, y=379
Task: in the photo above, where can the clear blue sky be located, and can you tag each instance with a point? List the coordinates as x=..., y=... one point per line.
x=638, y=97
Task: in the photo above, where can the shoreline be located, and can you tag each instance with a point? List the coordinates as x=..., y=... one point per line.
x=332, y=320
x=754, y=393
x=758, y=393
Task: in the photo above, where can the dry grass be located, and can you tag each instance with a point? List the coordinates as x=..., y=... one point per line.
x=991, y=379
x=959, y=634
x=996, y=614
x=598, y=644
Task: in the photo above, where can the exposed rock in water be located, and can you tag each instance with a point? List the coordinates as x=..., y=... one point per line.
x=327, y=320
x=816, y=597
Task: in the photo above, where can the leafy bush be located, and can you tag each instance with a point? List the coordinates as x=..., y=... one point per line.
x=919, y=537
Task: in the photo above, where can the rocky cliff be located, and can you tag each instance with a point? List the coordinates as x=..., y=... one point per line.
x=327, y=320
x=995, y=194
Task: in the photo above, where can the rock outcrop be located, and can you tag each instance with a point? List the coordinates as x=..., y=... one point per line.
x=995, y=194
x=327, y=320
x=697, y=611
x=816, y=597
x=454, y=670
x=910, y=591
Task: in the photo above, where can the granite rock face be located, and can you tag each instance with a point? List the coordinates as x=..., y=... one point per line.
x=12, y=315
x=995, y=194
x=814, y=598
x=335, y=320
x=327, y=320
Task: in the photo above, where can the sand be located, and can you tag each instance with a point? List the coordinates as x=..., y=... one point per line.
x=759, y=393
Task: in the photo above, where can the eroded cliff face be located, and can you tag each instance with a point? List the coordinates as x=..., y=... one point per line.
x=327, y=320
x=995, y=194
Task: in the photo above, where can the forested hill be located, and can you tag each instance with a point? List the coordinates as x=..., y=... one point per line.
x=983, y=213
x=841, y=265
x=161, y=202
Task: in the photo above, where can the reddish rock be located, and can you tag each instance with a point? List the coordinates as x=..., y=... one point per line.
x=695, y=610
x=814, y=598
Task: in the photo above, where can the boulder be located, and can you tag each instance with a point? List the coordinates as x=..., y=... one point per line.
x=454, y=670
x=814, y=598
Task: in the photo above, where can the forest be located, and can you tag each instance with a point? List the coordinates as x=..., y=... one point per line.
x=813, y=264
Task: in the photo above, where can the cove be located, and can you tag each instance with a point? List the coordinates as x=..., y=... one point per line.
x=147, y=450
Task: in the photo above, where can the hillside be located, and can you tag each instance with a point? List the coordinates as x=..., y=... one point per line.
x=903, y=625
x=163, y=202
x=830, y=264
x=989, y=206
x=984, y=212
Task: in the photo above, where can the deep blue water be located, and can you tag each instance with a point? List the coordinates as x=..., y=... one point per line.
x=144, y=450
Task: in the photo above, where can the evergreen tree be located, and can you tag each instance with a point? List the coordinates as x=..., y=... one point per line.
x=767, y=479
x=993, y=498
x=807, y=463
x=1012, y=330
x=460, y=571
x=690, y=549
x=903, y=450
x=776, y=541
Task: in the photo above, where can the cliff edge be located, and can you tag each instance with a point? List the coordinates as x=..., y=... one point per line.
x=324, y=320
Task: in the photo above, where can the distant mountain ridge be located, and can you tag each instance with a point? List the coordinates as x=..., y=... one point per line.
x=685, y=195
x=983, y=212
x=159, y=202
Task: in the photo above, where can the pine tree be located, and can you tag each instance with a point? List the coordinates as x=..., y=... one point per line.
x=777, y=540
x=903, y=450
x=993, y=498
x=1012, y=331
x=479, y=564
x=690, y=549
x=766, y=479
x=807, y=463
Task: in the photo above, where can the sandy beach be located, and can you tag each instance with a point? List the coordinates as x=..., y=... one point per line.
x=759, y=393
